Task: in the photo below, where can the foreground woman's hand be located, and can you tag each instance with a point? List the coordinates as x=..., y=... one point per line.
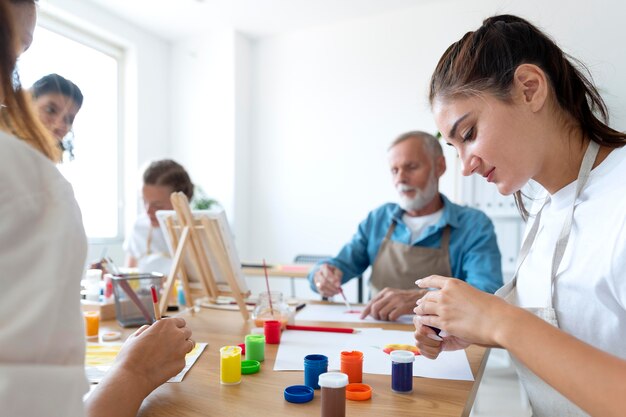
x=148, y=358
x=465, y=314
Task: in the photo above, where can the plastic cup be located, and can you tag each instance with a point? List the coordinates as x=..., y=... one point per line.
x=230, y=365
x=92, y=323
x=255, y=347
x=352, y=365
x=402, y=371
x=314, y=366
x=272, y=331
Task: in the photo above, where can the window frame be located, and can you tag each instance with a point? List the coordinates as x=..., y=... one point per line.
x=94, y=40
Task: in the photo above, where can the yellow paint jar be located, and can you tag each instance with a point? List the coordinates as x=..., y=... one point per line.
x=230, y=365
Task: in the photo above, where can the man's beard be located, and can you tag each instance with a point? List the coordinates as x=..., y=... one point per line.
x=422, y=196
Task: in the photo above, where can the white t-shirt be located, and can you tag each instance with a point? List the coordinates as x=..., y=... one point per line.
x=417, y=224
x=136, y=245
x=590, y=290
x=42, y=256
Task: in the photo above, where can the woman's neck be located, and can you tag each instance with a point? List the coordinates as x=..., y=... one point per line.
x=562, y=162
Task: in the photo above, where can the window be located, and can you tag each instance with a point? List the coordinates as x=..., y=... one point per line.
x=96, y=68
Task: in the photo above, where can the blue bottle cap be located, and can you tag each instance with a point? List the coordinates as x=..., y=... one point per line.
x=298, y=394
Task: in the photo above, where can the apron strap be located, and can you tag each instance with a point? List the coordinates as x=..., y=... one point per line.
x=583, y=177
x=149, y=242
x=445, y=238
x=391, y=229
x=528, y=242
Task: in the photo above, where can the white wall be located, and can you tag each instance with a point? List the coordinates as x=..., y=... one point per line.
x=147, y=104
x=327, y=101
x=203, y=111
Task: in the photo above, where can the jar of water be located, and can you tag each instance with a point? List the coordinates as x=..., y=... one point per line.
x=270, y=306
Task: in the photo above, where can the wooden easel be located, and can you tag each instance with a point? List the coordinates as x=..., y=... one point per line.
x=186, y=234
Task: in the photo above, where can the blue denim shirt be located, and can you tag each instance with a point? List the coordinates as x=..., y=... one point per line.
x=474, y=254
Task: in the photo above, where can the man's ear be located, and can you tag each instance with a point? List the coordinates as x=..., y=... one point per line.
x=531, y=86
x=440, y=166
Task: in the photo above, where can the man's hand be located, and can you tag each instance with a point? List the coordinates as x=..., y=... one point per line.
x=327, y=280
x=391, y=303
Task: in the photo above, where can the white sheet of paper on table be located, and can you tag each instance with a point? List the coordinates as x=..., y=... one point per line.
x=295, y=345
x=338, y=313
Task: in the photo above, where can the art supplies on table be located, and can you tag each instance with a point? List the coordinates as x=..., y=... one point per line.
x=99, y=358
x=295, y=345
x=230, y=365
x=203, y=250
x=133, y=297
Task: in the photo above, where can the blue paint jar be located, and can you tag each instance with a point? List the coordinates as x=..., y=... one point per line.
x=314, y=366
x=181, y=295
x=402, y=371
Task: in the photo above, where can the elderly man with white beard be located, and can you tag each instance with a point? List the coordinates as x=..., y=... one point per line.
x=425, y=234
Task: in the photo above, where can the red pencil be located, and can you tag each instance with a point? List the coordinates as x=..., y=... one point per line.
x=155, y=304
x=321, y=329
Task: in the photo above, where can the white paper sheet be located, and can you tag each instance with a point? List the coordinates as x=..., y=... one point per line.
x=295, y=345
x=339, y=313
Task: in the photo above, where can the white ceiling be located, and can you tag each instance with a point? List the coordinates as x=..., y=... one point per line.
x=173, y=19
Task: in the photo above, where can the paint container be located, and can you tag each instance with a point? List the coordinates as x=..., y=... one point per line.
x=272, y=331
x=314, y=366
x=92, y=323
x=402, y=371
x=180, y=295
x=250, y=367
x=298, y=394
x=255, y=347
x=333, y=394
x=230, y=365
x=358, y=392
x=93, y=277
x=111, y=336
x=352, y=365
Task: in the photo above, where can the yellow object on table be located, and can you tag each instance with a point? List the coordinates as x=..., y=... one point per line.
x=230, y=365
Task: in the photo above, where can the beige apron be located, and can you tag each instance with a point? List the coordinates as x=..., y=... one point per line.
x=154, y=261
x=545, y=401
x=398, y=265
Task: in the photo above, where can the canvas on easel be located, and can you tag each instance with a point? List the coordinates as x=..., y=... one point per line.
x=203, y=248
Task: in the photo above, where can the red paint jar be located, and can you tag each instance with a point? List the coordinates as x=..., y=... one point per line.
x=272, y=330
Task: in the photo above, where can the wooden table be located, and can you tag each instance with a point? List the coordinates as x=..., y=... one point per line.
x=201, y=394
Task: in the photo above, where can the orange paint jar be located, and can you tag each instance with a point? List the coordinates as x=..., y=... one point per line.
x=92, y=323
x=352, y=365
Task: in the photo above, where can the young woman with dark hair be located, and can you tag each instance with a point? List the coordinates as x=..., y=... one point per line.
x=517, y=108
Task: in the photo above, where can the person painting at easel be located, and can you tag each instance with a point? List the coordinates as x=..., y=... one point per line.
x=146, y=247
